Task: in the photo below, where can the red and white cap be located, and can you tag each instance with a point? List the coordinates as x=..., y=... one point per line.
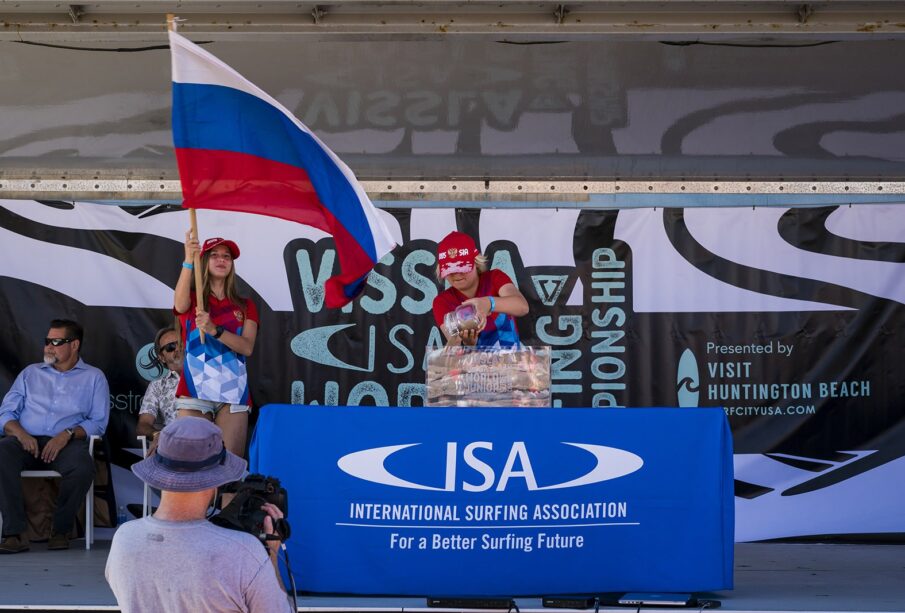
x=456, y=253
x=213, y=242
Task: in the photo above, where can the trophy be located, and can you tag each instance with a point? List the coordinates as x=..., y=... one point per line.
x=467, y=376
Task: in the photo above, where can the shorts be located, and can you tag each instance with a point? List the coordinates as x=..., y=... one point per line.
x=209, y=407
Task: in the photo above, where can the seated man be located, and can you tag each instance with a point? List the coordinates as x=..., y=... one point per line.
x=217, y=569
x=47, y=416
x=158, y=406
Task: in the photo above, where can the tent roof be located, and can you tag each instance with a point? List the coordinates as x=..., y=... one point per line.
x=476, y=101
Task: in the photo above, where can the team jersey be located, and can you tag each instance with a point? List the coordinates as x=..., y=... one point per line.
x=212, y=371
x=500, y=327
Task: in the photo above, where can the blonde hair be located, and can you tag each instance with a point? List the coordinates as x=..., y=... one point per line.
x=231, y=286
x=480, y=263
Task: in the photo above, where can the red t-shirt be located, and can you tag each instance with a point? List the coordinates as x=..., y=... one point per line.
x=500, y=328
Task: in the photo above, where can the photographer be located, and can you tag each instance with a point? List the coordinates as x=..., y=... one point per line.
x=176, y=560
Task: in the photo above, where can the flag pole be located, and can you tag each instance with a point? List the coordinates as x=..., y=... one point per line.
x=171, y=26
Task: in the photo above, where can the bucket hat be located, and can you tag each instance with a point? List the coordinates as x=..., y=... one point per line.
x=190, y=457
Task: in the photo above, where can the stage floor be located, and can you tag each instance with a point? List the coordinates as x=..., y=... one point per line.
x=769, y=577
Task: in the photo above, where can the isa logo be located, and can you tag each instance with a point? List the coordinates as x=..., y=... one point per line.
x=688, y=380
x=370, y=465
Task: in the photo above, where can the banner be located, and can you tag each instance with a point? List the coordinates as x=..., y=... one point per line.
x=502, y=501
x=478, y=106
x=790, y=318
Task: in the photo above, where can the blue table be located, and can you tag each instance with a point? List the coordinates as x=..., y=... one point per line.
x=502, y=501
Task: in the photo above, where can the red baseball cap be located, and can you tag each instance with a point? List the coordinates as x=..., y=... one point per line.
x=213, y=242
x=456, y=253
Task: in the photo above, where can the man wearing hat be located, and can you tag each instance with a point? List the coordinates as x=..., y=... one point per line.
x=176, y=560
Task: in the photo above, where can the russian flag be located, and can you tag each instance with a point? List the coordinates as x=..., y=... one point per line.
x=238, y=149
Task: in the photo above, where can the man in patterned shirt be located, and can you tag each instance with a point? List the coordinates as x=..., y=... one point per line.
x=158, y=407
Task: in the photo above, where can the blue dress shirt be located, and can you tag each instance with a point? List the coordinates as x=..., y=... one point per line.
x=46, y=401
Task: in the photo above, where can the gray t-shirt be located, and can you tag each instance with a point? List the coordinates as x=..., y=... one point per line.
x=192, y=566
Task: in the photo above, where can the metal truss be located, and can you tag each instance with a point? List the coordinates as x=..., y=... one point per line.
x=166, y=189
x=135, y=20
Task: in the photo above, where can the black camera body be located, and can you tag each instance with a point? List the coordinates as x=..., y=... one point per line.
x=244, y=512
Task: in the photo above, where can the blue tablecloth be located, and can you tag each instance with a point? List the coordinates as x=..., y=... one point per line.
x=502, y=501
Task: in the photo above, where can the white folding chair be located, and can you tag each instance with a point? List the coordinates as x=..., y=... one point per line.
x=89, y=497
x=146, y=498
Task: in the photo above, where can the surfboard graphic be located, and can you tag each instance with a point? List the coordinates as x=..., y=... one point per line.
x=687, y=380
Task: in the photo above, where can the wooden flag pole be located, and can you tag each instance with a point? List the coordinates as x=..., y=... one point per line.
x=199, y=288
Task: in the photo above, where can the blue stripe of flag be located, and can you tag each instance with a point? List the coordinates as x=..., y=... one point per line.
x=218, y=118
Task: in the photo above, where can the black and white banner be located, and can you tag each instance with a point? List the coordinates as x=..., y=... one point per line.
x=790, y=318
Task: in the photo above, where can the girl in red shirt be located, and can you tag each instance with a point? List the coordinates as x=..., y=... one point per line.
x=494, y=295
x=214, y=381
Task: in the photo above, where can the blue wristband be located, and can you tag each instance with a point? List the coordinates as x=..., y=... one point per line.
x=188, y=266
x=492, y=304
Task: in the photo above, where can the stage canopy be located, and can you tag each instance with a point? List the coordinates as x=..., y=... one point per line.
x=502, y=101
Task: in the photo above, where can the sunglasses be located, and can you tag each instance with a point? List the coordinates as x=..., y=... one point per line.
x=169, y=347
x=56, y=342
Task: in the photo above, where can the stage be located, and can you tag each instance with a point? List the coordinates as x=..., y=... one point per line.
x=769, y=577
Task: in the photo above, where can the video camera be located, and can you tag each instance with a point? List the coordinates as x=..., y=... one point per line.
x=244, y=512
